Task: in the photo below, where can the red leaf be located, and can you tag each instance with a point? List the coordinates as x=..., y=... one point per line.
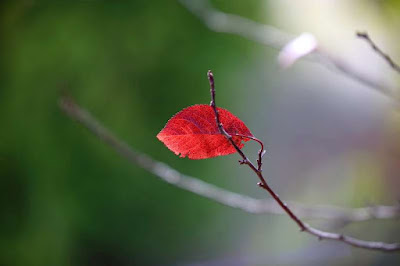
x=193, y=132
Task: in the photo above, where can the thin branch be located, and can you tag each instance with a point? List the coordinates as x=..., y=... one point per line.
x=272, y=37
x=219, y=124
x=386, y=57
x=302, y=225
x=214, y=193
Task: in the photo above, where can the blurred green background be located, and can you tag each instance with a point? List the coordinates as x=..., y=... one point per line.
x=67, y=199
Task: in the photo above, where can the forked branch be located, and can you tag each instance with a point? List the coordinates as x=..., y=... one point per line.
x=386, y=57
x=302, y=225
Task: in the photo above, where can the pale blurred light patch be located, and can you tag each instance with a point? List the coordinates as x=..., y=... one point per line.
x=334, y=23
x=296, y=49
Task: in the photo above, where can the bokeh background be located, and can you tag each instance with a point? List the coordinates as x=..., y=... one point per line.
x=67, y=199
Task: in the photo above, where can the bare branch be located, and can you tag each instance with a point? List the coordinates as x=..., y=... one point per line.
x=212, y=192
x=272, y=37
x=373, y=245
x=386, y=57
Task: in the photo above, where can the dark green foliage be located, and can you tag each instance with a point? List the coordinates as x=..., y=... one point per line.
x=66, y=199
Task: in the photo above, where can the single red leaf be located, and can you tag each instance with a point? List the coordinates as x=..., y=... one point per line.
x=193, y=132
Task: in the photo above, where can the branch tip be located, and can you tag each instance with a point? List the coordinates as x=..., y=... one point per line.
x=386, y=57
x=210, y=74
x=362, y=34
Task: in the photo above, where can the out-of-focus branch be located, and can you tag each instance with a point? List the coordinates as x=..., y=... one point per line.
x=214, y=193
x=272, y=37
x=386, y=57
x=228, y=23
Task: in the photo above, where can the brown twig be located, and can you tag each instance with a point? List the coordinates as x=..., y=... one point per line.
x=275, y=38
x=386, y=57
x=303, y=226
